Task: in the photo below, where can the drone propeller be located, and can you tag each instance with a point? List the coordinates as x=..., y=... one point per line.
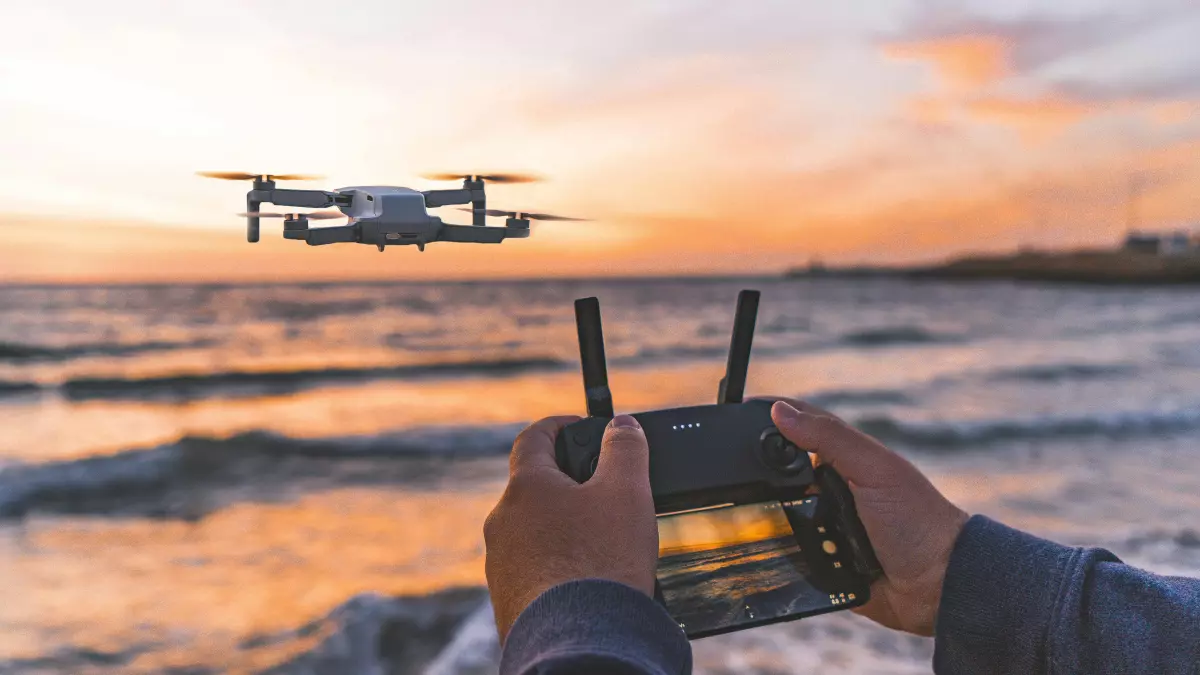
x=315, y=215
x=487, y=177
x=234, y=175
x=522, y=215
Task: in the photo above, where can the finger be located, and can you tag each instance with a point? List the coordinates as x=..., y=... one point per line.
x=534, y=446
x=802, y=406
x=857, y=457
x=624, y=453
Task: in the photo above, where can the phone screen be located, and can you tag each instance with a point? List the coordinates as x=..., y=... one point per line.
x=735, y=567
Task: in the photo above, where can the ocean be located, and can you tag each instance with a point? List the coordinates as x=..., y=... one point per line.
x=291, y=479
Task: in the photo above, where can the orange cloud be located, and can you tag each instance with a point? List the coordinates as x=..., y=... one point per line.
x=1169, y=113
x=963, y=62
x=1036, y=119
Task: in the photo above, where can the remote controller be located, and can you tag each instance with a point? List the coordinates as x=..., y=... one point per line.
x=709, y=455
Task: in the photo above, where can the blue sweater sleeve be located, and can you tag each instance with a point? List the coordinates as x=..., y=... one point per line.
x=595, y=626
x=1014, y=603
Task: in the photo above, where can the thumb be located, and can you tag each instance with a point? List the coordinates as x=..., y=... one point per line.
x=624, y=454
x=859, y=458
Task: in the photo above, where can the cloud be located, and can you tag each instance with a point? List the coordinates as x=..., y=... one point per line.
x=1036, y=119
x=963, y=61
x=1041, y=75
x=1041, y=38
x=1152, y=87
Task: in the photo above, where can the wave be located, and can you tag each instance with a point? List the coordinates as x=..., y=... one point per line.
x=673, y=353
x=74, y=660
x=954, y=435
x=1064, y=371
x=191, y=477
x=894, y=335
x=451, y=631
x=846, y=397
x=8, y=388
x=267, y=383
x=20, y=352
x=1186, y=538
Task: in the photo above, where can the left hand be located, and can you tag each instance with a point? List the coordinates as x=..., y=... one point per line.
x=548, y=529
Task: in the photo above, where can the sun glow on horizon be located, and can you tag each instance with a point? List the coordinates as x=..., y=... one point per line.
x=742, y=139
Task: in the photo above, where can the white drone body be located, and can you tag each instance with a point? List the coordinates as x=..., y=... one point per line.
x=394, y=215
x=398, y=204
x=384, y=215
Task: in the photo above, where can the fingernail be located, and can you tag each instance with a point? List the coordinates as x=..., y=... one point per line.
x=786, y=411
x=625, y=421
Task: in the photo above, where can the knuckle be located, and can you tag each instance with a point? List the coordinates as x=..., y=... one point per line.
x=489, y=528
x=526, y=436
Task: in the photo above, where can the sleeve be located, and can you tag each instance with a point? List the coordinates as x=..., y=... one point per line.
x=1015, y=603
x=595, y=626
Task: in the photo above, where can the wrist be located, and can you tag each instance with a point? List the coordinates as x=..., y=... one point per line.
x=912, y=599
x=933, y=581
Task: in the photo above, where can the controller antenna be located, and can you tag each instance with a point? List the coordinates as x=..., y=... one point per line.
x=591, y=356
x=733, y=385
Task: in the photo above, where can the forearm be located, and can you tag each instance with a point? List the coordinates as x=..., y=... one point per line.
x=1014, y=603
x=594, y=626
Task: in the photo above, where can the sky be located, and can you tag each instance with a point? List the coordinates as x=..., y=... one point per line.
x=699, y=137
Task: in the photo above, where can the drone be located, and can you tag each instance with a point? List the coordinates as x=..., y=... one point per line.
x=381, y=215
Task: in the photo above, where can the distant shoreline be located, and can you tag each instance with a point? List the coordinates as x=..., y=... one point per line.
x=1098, y=267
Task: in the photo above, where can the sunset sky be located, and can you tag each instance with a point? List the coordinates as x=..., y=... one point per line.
x=701, y=530
x=726, y=137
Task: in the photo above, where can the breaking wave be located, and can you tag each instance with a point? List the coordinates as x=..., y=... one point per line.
x=17, y=388
x=1064, y=371
x=267, y=383
x=954, y=435
x=895, y=335
x=841, y=397
x=187, y=478
x=449, y=632
x=19, y=352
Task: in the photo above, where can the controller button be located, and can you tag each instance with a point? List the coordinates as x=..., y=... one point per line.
x=829, y=547
x=582, y=437
x=592, y=466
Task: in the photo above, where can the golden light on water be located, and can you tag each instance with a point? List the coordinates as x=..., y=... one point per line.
x=717, y=528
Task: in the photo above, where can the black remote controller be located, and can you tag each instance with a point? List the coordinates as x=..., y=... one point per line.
x=702, y=456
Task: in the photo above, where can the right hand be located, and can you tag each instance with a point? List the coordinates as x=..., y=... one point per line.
x=912, y=527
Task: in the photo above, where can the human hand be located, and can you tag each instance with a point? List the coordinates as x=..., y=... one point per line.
x=547, y=529
x=912, y=527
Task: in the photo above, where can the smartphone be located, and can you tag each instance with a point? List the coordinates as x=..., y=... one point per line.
x=735, y=567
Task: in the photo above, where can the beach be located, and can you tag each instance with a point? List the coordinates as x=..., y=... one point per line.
x=292, y=478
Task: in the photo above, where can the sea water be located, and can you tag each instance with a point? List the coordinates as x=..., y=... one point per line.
x=292, y=478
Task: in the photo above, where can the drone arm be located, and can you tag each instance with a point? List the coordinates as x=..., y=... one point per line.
x=315, y=199
x=435, y=198
x=473, y=234
x=332, y=235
